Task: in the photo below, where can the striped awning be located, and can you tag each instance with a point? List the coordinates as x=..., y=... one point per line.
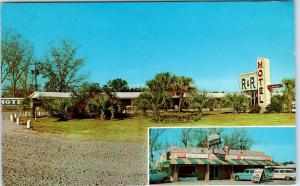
x=193, y=161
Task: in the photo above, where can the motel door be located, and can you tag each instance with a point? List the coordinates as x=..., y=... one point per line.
x=213, y=172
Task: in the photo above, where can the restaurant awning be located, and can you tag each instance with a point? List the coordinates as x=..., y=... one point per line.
x=193, y=161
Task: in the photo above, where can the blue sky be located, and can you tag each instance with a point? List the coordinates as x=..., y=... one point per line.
x=278, y=142
x=211, y=42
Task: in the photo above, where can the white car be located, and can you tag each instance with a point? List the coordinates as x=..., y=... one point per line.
x=286, y=174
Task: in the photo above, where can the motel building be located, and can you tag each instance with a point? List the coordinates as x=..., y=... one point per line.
x=126, y=100
x=211, y=164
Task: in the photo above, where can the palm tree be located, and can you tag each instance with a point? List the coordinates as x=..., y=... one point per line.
x=156, y=101
x=61, y=108
x=289, y=92
x=238, y=102
x=180, y=86
x=160, y=83
x=99, y=105
x=198, y=101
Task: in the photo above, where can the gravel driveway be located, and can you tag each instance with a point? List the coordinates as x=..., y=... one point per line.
x=31, y=158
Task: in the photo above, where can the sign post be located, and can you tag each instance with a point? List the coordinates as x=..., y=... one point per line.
x=258, y=176
x=263, y=75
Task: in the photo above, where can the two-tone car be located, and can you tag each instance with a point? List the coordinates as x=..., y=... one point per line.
x=158, y=177
x=248, y=174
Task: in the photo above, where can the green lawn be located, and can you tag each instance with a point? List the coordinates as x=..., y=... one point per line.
x=135, y=129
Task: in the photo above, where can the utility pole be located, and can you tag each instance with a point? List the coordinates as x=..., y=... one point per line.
x=36, y=73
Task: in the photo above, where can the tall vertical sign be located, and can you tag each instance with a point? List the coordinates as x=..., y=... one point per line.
x=263, y=80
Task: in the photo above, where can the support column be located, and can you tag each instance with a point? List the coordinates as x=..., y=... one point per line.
x=231, y=174
x=207, y=173
x=175, y=174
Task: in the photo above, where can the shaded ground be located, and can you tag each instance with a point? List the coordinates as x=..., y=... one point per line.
x=31, y=158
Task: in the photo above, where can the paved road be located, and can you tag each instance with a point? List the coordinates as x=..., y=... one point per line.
x=229, y=182
x=31, y=158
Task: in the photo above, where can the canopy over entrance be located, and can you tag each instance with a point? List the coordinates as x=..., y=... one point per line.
x=193, y=161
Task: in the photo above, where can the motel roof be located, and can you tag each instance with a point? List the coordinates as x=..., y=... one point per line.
x=36, y=95
x=195, y=161
x=121, y=95
x=133, y=95
x=217, y=151
x=127, y=95
x=201, y=156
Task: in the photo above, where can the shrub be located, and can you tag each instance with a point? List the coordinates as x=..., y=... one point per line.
x=238, y=102
x=254, y=109
x=61, y=108
x=276, y=104
x=25, y=105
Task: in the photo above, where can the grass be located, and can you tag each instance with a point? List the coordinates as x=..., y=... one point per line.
x=135, y=129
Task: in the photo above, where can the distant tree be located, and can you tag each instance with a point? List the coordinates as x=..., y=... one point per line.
x=289, y=92
x=117, y=85
x=198, y=100
x=61, y=68
x=17, y=55
x=200, y=136
x=238, y=139
x=137, y=89
x=238, y=102
x=91, y=88
x=185, y=136
x=154, y=144
x=288, y=162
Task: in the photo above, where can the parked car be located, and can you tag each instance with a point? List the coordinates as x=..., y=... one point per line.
x=156, y=176
x=287, y=174
x=247, y=174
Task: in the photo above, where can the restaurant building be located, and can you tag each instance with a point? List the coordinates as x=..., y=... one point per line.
x=211, y=164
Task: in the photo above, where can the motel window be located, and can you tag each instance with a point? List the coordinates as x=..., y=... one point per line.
x=276, y=171
x=281, y=171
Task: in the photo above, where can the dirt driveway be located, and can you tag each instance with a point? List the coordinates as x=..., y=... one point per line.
x=31, y=158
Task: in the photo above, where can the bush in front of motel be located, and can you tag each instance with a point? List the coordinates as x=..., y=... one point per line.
x=99, y=106
x=60, y=108
x=238, y=102
x=276, y=105
x=254, y=109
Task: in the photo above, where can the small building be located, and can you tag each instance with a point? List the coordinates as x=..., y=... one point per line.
x=210, y=164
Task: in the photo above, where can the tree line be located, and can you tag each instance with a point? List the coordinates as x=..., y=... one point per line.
x=61, y=71
x=237, y=139
x=60, y=68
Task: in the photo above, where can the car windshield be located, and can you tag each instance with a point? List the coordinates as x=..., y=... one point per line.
x=153, y=171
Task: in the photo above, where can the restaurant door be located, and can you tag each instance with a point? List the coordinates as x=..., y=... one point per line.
x=213, y=172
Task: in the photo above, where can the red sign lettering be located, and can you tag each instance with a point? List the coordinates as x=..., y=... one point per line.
x=259, y=64
x=260, y=73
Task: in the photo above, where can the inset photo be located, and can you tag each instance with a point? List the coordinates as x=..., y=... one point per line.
x=222, y=156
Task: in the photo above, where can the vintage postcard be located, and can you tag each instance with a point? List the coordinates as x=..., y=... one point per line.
x=82, y=83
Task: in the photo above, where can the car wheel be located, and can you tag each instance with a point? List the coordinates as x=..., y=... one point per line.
x=236, y=178
x=166, y=180
x=287, y=178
